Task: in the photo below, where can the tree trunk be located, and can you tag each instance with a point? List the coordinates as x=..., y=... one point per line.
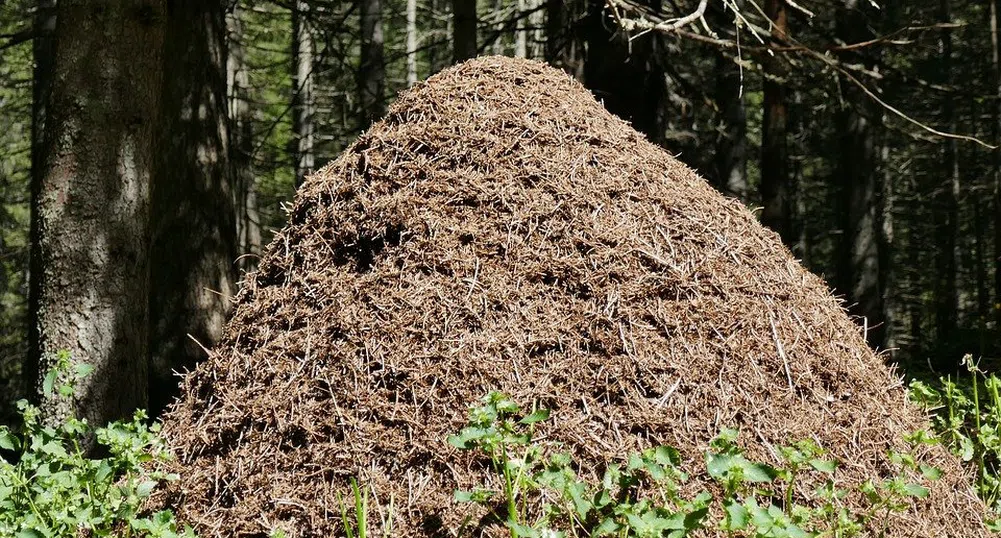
x=625, y=74
x=996, y=161
x=302, y=142
x=241, y=135
x=463, y=30
x=93, y=204
x=43, y=50
x=858, y=274
x=730, y=166
x=372, y=68
x=521, y=34
x=411, y=42
x=946, y=208
x=775, y=187
x=193, y=217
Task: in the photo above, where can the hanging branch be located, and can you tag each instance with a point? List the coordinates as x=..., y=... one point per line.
x=790, y=45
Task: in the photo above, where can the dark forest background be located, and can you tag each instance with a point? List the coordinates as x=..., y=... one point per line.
x=148, y=149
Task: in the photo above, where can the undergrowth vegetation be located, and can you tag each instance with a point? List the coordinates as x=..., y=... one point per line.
x=966, y=413
x=52, y=486
x=642, y=496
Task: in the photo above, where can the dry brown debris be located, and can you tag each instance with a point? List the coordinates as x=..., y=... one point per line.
x=500, y=230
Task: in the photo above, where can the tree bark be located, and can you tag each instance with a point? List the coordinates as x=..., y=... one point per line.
x=730, y=166
x=303, y=106
x=193, y=216
x=521, y=34
x=946, y=208
x=463, y=30
x=241, y=134
x=776, y=199
x=93, y=203
x=43, y=50
x=411, y=42
x=372, y=68
x=858, y=274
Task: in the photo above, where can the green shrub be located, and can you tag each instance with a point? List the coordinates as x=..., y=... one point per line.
x=967, y=416
x=50, y=488
x=641, y=498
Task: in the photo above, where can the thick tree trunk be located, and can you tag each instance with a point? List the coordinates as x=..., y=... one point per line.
x=776, y=191
x=730, y=162
x=193, y=217
x=93, y=204
x=463, y=30
x=858, y=274
x=372, y=68
x=411, y=42
x=43, y=50
x=241, y=136
x=946, y=208
x=303, y=106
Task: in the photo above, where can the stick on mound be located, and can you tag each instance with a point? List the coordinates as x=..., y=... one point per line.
x=500, y=230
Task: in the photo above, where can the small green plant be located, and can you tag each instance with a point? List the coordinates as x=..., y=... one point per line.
x=356, y=525
x=50, y=488
x=967, y=417
x=641, y=498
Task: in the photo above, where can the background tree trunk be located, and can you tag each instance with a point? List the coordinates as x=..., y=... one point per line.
x=303, y=106
x=411, y=42
x=43, y=51
x=776, y=199
x=858, y=272
x=463, y=30
x=730, y=162
x=996, y=160
x=241, y=136
x=93, y=203
x=372, y=68
x=521, y=34
x=193, y=216
x=947, y=208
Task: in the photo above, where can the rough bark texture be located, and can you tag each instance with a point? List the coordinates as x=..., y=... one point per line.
x=303, y=106
x=858, y=274
x=372, y=67
x=193, y=217
x=463, y=30
x=730, y=164
x=93, y=202
x=776, y=191
x=44, y=55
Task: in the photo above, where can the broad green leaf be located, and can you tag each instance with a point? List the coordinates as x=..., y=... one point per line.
x=49, y=382
x=737, y=516
x=915, y=490
x=930, y=472
x=8, y=441
x=537, y=416
x=824, y=466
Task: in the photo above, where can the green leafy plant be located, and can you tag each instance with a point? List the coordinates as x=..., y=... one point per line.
x=967, y=417
x=50, y=488
x=641, y=497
